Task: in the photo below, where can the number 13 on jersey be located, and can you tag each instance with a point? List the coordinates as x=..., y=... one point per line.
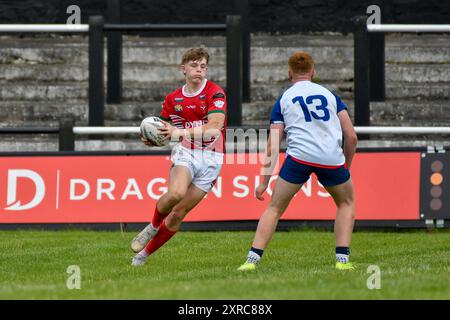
x=322, y=112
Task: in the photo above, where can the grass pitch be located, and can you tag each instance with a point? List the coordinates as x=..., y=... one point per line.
x=202, y=265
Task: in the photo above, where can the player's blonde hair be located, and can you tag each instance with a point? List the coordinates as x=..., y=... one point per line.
x=300, y=62
x=194, y=54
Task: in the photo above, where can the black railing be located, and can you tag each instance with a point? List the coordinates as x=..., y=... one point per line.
x=369, y=74
x=96, y=78
x=114, y=45
x=234, y=71
x=243, y=11
x=376, y=67
x=67, y=133
x=66, y=137
x=361, y=80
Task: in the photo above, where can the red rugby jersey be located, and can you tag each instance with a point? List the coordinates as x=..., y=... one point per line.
x=191, y=110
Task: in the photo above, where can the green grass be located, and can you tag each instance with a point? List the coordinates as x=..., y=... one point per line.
x=202, y=265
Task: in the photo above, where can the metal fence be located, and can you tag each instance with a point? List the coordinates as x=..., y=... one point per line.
x=67, y=131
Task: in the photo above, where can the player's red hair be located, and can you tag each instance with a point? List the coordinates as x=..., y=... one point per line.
x=194, y=54
x=300, y=62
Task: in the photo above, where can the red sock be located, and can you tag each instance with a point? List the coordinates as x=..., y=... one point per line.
x=158, y=217
x=161, y=237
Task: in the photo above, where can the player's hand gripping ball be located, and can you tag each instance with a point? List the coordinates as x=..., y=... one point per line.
x=150, y=132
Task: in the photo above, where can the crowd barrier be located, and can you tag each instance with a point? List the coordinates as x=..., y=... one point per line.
x=408, y=186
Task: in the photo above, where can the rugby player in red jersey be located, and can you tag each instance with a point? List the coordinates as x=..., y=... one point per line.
x=194, y=114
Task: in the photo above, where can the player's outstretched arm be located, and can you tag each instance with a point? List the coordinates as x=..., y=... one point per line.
x=276, y=136
x=350, y=137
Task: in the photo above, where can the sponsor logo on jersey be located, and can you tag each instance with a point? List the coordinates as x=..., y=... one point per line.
x=181, y=122
x=196, y=123
x=178, y=99
x=178, y=108
x=191, y=107
x=218, y=95
x=219, y=103
x=202, y=97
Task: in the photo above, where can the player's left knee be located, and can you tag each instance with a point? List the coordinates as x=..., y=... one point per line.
x=173, y=225
x=347, y=208
x=348, y=203
x=176, y=195
x=178, y=214
x=173, y=221
x=276, y=209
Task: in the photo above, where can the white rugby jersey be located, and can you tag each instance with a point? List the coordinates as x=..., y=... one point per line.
x=313, y=131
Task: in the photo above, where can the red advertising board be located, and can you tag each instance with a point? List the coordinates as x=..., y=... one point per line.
x=103, y=189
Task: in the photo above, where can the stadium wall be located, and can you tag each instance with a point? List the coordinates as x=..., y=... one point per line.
x=111, y=189
x=265, y=15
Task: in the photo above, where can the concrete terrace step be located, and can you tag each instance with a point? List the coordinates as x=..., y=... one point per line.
x=402, y=90
x=145, y=92
x=44, y=114
x=410, y=113
x=418, y=73
x=25, y=113
x=56, y=73
x=333, y=49
x=132, y=91
x=47, y=144
x=388, y=113
x=60, y=50
x=40, y=91
x=145, y=73
x=37, y=114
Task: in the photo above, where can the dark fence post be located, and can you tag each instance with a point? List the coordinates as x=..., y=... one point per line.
x=234, y=71
x=377, y=74
x=66, y=136
x=96, y=81
x=114, y=61
x=361, y=73
x=243, y=9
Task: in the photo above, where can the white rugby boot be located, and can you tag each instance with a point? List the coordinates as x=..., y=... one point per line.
x=139, y=260
x=140, y=241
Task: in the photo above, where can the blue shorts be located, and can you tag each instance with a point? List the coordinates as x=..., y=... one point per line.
x=296, y=172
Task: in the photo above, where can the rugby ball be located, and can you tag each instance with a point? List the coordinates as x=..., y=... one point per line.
x=149, y=130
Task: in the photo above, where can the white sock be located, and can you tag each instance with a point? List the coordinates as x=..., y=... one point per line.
x=342, y=258
x=253, y=257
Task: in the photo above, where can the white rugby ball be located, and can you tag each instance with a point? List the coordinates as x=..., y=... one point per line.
x=149, y=130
